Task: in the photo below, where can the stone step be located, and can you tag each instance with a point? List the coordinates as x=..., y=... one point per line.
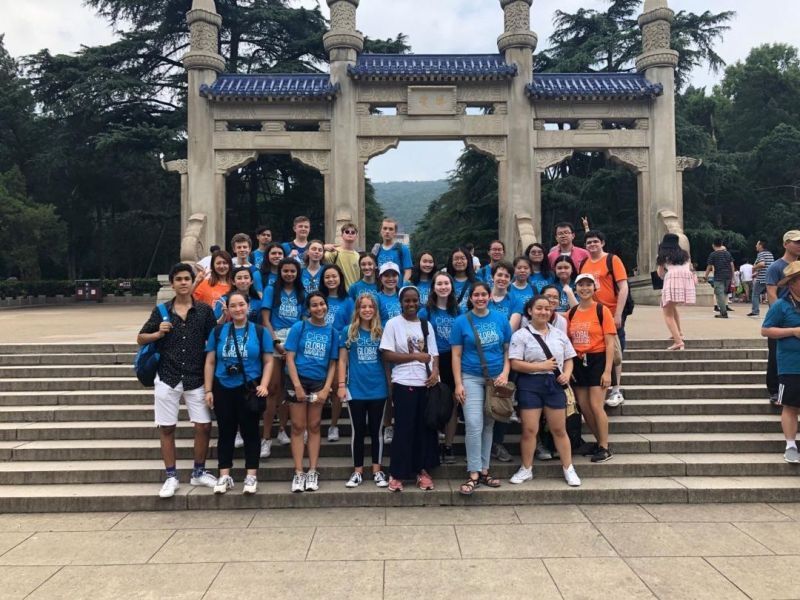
x=695, y=354
x=621, y=443
x=76, y=397
x=75, y=358
x=692, y=366
x=669, y=375
x=697, y=406
x=65, y=371
x=606, y=490
x=704, y=391
x=46, y=384
x=706, y=344
x=68, y=348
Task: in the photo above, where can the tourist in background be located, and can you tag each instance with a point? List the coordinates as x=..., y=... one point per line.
x=421, y=275
x=721, y=261
x=764, y=259
x=746, y=279
x=459, y=267
x=675, y=268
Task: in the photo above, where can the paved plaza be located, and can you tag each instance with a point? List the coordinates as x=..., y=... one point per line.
x=727, y=551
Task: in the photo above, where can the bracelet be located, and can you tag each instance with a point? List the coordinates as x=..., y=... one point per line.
x=342, y=385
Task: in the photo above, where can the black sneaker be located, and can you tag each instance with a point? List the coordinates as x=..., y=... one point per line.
x=720, y=316
x=448, y=457
x=587, y=449
x=602, y=455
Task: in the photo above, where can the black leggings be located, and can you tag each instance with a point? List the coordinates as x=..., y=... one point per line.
x=232, y=414
x=365, y=413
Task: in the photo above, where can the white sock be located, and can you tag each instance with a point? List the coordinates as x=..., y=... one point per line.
x=791, y=444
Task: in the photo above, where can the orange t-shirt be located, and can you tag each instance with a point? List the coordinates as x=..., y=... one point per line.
x=209, y=294
x=605, y=293
x=586, y=333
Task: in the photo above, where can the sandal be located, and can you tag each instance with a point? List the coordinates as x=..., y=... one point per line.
x=468, y=487
x=488, y=480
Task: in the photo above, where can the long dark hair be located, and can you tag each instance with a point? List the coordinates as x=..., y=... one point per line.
x=670, y=252
x=566, y=259
x=265, y=268
x=341, y=291
x=452, y=303
x=416, y=272
x=475, y=286
x=214, y=278
x=470, y=270
x=297, y=285
x=544, y=266
x=251, y=292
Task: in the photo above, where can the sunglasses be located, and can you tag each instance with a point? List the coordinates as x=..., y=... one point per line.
x=350, y=231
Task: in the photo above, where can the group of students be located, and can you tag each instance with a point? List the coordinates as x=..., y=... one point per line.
x=285, y=328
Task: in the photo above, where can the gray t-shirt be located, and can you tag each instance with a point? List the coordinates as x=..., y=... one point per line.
x=775, y=274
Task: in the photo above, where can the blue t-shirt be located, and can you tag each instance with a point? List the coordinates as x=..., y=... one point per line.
x=783, y=314
x=563, y=299
x=249, y=348
x=314, y=347
x=521, y=296
x=389, y=306
x=424, y=288
x=289, y=246
x=506, y=307
x=775, y=274
x=495, y=332
x=399, y=254
x=538, y=281
x=361, y=286
x=465, y=287
x=366, y=378
x=340, y=312
x=485, y=274
x=253, y=312
x=258, y=281
x=285, y=315
x=257, y=257
x=442, y=323
x=311, y=282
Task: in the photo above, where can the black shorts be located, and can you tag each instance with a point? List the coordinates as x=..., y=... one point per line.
x=589, y=375
x=310, y=386
x=538, y=391
x=789, y=390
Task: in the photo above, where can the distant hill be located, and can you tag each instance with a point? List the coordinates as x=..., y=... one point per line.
x=407, y=201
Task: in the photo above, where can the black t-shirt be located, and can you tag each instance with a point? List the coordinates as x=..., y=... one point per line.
x=721, y=261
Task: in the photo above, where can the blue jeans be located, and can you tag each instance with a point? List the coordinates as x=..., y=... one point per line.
x=478, y=436
x=758, y=289
x=721, y=288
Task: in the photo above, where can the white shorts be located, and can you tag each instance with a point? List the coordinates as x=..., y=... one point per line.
x=168, y=402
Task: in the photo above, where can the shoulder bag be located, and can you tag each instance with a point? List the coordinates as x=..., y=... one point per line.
x=439, y=407
x=497, y=400
x=571, y=404
x=252, y=401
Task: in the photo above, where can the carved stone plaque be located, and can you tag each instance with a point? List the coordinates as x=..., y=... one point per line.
x=432, y=100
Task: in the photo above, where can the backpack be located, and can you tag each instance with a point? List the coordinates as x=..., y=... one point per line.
x=617, y=346
x=629, y=304
x=259, y=332
x=378, y=248
x=147, y=359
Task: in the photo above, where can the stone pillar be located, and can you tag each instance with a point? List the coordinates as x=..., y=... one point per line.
x=342, y=187
x=202, y=63
x=657, y=62
x=519, y=207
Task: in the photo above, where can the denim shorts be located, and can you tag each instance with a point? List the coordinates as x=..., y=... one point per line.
x=538, y=391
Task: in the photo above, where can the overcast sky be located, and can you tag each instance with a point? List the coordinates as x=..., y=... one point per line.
x=432, y=26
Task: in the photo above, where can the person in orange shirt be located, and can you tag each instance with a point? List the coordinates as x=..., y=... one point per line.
x=592, y=331
x=612, y=292
x=210, y=287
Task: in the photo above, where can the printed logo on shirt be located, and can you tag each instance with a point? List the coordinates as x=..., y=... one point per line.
x=444, y=326
x=288, y=308
x=367, y=351
x=229, y=351
x=316, y=345
x=580, y=333
x=488, y=333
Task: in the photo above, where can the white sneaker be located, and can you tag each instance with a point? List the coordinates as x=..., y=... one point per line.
x=333, y=433
x=380, y=479
x=514, y=417
x=250, y=484
x=205, y=480
x=355, y=480
x=299, y=482
x=266, y=448
x=388, y=434
x=615, y=399
x=224, y=484
x=169, y=488
x=571, y=477
x=283, y=439
x=312, y=481
x=238, y=442
x=522, y=475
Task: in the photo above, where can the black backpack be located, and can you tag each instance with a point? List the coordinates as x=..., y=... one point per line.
x=629, y=304
x=439, y=408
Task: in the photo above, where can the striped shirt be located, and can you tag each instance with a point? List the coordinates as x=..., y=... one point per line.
x=766, y=257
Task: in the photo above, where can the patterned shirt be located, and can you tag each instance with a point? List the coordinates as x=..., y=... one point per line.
x=766, y=257
x=182, y=350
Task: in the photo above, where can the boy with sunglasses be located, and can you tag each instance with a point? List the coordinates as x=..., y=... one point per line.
x=345, y=256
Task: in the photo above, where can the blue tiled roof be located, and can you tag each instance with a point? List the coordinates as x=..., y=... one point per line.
x=271, y=86
x=592, y=86
x=432, y=66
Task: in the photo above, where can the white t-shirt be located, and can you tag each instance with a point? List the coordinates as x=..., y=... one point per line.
x=476, y=263
x=398, y=336
x=746, y=271
x=525, y=347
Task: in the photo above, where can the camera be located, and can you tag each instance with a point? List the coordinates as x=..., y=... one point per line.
x=233, y=370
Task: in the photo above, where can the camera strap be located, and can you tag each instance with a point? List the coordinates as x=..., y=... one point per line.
x=232, y=333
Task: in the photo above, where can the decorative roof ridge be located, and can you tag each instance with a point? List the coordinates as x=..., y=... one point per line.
x=431, y=66
x=271, y=86
x=592, y=86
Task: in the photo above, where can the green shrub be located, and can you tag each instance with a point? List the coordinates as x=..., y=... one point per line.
x=52, y=288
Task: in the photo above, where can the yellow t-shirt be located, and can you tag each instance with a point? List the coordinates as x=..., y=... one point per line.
x=347, y=261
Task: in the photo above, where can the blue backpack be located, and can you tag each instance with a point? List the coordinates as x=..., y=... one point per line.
x=147, y=358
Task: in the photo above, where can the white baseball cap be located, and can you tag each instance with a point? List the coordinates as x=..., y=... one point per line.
x=389, y=266
x=585, y=276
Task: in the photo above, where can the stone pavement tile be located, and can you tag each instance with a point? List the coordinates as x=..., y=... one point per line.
x=182, y=582
x=18, y=582
x=60, y=521
x=346, y=580
x=616, y=513
x=680, y=539
x=781, y=538
x=236, y=545
x=384, y=543
x=714, y=513
x=550, y=513
x=684, y=578
x=9, y=540
x=451, y=515
x=187, y=519
x=790, y=509
x=762, y=577
x=474, y=579
x=86, y=548
x=532, y=541
x=592, y=578
x=319, y=517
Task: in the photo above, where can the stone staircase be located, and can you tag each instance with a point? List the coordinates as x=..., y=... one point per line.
x=77, y=434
